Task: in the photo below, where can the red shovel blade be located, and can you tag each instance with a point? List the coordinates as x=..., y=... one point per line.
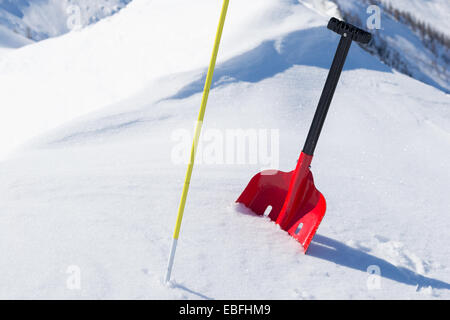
x=266, y=189
x=296, y=205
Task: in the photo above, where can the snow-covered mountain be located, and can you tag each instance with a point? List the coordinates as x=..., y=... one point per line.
x=434, y=12
x=413, y=37
x=398, y=44
x=41, y=19
x=90, y=122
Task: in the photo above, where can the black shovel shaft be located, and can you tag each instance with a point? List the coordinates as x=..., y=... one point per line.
x=349, y=33
x=327, y=95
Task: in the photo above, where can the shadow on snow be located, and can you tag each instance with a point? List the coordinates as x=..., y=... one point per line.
x=311, y=47
x=331, y=250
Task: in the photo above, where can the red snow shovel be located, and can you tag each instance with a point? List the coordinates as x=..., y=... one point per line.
x=292, y=198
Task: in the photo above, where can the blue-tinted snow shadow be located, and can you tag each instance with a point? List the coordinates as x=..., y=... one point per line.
x=311, y=47
x=195, y=293
x=331, y=250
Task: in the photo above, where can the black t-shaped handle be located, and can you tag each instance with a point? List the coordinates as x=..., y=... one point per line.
x=349, y=30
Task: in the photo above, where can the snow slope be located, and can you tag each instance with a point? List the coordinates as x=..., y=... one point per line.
x=101, y=191
x=88, y=70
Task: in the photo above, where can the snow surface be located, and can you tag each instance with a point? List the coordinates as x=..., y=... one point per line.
x=96, y=186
